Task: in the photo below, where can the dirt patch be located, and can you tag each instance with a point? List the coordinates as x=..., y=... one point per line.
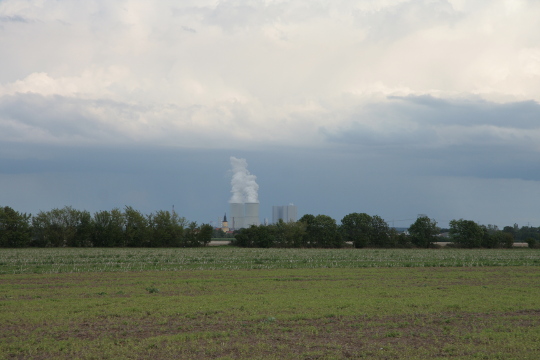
x=349, y=335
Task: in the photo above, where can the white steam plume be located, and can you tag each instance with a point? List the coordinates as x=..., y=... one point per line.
x=244, y=188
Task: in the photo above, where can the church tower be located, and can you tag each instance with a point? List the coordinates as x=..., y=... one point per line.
x=225, y=224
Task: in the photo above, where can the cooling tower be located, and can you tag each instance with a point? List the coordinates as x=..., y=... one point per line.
x=236, y=217
x=251, y=215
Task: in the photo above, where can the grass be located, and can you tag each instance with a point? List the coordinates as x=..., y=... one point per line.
x=356, y=312
x=68, y=260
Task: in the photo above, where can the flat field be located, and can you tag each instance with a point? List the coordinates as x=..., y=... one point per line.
x=227, y=303
x=62, y=260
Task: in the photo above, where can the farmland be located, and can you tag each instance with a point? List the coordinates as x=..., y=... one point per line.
x=67, y=260
x=229, y=303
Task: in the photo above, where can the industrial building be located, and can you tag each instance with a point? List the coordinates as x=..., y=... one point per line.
x=287, y=213
x=244, y=215
x=244, y=201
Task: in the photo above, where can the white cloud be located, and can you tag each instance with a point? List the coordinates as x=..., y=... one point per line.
x=260, y=72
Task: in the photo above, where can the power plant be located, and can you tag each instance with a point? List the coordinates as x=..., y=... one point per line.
x=236, y=216
x=244, y=215
x=288, y=213
x=244, y=202
x=251, y=214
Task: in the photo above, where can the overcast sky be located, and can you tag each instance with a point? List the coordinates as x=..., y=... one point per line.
x=390, y=107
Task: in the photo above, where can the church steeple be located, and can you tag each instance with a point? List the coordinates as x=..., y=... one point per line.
x=225, y=224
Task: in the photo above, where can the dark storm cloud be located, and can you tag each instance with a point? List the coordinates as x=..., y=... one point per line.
x=319, y=181
x=425, y=115
x=448, y=137
x=56, y=117
x=53, y=114
x=519, y=115
x=41, y=177
x=18, y=158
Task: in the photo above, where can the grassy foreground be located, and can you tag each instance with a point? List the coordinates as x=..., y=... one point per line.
x=480, y=312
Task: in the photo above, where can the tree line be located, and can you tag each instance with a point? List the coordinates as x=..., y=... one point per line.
x=68, y=227
x=363, y=230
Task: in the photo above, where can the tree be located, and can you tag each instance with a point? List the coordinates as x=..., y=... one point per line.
x=245, y=237
x=495, y=238
x=466, y=233
x=62, y=227
x=84, y=227
x=15, y=228
x=533, y=243
x=167, y=229
x=365, y=230
x=357, y=228
x=256, y=236
x=67, y=218
x=526, y=232
x=380, y=232
x=108, y=228
x=505, y=240
x=489, y=238
x=218, y=233
x=190, y=235
x=289, y=234
x=322, y=231
x=54, y=228
x=264, y=236
x=510, y=230
x=137, y=232
x=307, y=219
x=282, y=234
x=205, y=234
x=195, y=236
x=400, y=240
x=44, y=232
x=423, y=232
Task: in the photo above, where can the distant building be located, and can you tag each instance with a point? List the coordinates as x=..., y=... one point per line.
x=225, y=224
x=287, y=213
x=244, y=215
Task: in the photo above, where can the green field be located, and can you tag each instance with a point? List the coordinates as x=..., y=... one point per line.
x=61, y=260
x=228, y=303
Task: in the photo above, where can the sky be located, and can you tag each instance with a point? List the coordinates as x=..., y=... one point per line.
x=389, y=107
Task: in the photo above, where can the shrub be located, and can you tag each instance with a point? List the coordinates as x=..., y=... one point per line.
x=152, y=289
x=533, y=243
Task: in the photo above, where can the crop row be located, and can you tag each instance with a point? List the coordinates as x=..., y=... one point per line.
x=62, y=260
